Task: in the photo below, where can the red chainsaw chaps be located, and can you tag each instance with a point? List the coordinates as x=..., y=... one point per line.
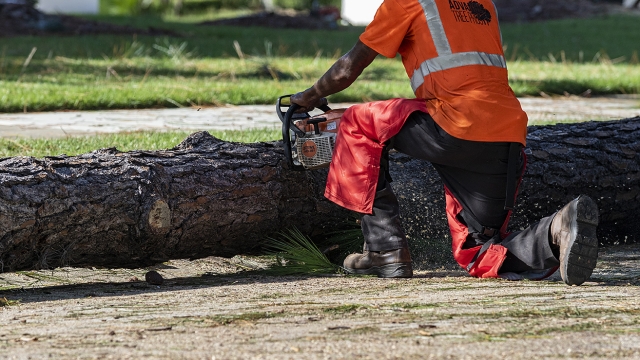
x=353, y=174
x=488, y=263
x=363, y=130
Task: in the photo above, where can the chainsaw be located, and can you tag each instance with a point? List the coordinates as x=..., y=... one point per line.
x=308, y=140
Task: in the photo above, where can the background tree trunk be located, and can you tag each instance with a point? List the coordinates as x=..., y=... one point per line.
x=208, y=197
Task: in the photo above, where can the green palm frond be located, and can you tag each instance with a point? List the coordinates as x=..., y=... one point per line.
x=296, y=254
x=346, y=239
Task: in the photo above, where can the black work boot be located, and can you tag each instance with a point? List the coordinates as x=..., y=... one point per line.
x=573, y=232
x=386, y=264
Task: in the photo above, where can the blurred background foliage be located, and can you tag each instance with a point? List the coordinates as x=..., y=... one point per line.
x=190, y=7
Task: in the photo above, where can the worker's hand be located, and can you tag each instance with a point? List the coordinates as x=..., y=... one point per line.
x=307, y=101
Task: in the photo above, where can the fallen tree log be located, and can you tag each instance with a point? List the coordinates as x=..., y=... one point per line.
x=112, y=209
x=208, y=197
x=599, y=159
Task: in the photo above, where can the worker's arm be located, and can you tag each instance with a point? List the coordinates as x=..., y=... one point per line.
x=340, y=76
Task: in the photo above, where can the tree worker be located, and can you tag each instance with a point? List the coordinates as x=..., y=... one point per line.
x=468, y=123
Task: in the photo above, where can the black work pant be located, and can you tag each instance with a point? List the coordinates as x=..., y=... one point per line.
x=476, y=174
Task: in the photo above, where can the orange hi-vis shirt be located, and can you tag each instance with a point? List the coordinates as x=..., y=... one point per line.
x=452, y=52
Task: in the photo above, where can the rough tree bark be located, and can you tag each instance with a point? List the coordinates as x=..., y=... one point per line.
x=600, y=159
x=208, y=197
x=107, y=208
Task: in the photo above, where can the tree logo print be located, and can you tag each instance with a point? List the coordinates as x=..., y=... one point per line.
x=479, y=11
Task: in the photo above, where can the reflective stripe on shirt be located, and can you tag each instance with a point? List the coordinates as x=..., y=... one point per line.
x=436, y=28
x=453, y=61
x=446, y=59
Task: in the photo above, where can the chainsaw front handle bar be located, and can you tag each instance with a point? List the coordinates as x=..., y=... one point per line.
x=286, y=117
x=287, y=125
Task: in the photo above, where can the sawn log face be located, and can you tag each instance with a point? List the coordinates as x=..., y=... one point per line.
x=208, y=197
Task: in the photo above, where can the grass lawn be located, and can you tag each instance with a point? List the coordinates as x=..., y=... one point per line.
x=142, y=140
x=230, y=65
x=204, y=67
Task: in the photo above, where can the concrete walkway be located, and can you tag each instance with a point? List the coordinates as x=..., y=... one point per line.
x=76, y=123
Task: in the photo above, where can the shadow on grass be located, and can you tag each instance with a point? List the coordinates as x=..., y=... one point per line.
x=41, y=73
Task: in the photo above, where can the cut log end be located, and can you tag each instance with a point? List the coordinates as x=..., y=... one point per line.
x=160, y=217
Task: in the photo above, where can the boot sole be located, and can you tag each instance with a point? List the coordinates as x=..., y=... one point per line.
x=399, y=270
x=578, y=263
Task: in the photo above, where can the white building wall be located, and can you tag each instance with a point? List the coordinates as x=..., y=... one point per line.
x=359, y=12
x=69, y=6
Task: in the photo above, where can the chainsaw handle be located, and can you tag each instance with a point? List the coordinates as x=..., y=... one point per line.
x=324, y=107
x=286, y=137
x=315, y=122
x=286, y=117
x=280, y=105
x=288, y=124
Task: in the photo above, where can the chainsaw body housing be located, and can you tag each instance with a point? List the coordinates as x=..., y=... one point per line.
x=315, y=151
x=308, y=140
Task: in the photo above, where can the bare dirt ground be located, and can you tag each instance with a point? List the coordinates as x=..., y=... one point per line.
x=217, y=308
